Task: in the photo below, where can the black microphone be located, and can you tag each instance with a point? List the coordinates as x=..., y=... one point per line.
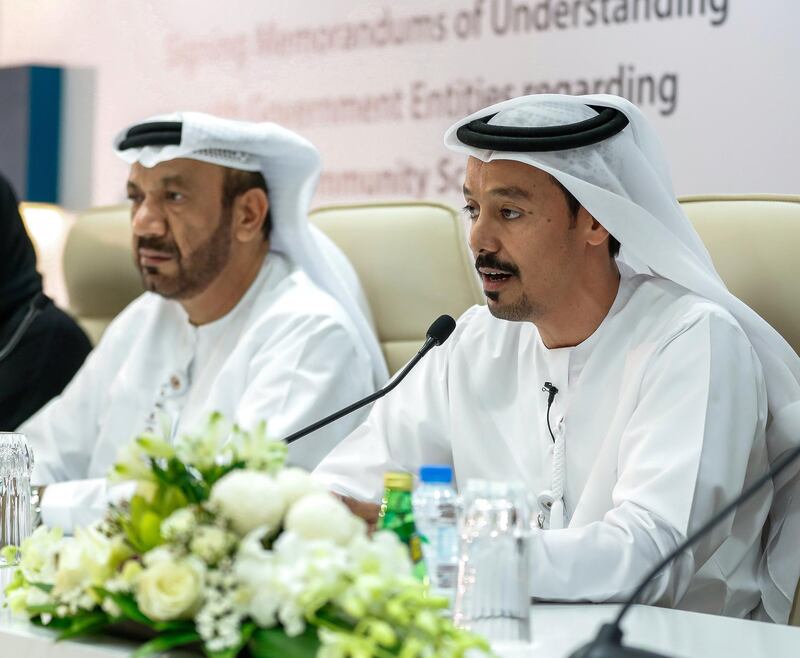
x=438, y=332
x=34, y=308
x=608, y=643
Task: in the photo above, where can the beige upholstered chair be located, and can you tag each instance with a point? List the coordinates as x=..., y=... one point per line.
x=48, y=226
x=411, y=259
x=99, y=270
x=754, y=241
x=413, y=263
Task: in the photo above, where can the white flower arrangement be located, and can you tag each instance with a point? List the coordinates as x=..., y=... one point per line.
x=223, y=547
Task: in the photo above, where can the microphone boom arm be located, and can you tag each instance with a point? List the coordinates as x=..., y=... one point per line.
x=429, y=343
x=714, y=520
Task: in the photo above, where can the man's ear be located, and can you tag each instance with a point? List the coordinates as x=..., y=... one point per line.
x=249, y=214
x=594, y=232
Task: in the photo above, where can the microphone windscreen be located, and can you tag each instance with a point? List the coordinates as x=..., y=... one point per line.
x=441, y=329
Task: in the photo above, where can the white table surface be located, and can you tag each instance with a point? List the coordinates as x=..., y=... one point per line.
x=560, y=629
x=557, y=631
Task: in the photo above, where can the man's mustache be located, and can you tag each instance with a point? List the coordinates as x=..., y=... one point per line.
x=490, y=260
x=158, y=244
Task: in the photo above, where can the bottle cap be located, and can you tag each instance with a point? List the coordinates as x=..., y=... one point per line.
x=436, y=473
x=397, y=480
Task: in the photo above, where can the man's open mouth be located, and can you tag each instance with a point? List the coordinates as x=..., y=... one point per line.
x=489, y=274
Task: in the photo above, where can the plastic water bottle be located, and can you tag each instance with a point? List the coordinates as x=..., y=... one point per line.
x=436, y=514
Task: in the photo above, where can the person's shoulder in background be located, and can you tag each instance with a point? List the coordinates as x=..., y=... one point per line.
x=44, y=361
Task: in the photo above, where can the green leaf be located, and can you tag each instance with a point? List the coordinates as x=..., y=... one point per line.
x=150, y=529
x=17, y=581
x=166, y=642
x=85, y=624
x=173, y=626
x=42, y=586
x=170, y=499
x=127, y=604
x=274, y=643
x=45, y=609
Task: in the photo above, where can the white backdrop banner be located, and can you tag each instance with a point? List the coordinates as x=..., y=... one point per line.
x=375, y=84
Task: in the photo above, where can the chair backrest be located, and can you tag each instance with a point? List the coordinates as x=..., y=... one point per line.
x=48, y=226
x=754, y=241
x=411, y=258
x=413, y=262
x=99, y=270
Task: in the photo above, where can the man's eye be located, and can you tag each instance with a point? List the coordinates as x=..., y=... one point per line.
x=134, y=198
x=508, y=213
x=175, y=196
x=470, y=211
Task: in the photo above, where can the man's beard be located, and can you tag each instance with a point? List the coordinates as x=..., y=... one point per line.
x=519, y=310
x=195, y=273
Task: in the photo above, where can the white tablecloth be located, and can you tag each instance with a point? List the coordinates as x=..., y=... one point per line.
x=557, y=631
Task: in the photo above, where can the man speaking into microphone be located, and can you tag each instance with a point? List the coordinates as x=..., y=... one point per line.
x=626, y=387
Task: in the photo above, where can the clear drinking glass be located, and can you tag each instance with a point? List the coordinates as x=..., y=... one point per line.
x=16, y=464
x=492, y=596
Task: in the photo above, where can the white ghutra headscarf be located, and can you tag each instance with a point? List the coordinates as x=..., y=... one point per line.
x=291, y=166
x=624, y=182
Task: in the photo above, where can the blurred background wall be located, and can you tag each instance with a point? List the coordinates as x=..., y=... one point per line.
x=374, y=84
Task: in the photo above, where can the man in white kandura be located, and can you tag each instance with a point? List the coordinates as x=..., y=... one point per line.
x=250, y=311
x=659, y=384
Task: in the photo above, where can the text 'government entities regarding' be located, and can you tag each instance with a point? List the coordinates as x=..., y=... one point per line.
x=423, y=101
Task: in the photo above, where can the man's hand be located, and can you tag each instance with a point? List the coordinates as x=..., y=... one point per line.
x=367, y=511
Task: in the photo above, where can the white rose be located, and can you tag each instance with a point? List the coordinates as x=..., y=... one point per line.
x=296, y=483
x=211, y=544
x=321, y=516
x=163, y=553
x=249, y=499
x=170, y=589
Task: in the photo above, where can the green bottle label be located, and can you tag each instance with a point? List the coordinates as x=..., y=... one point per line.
x=397, y=515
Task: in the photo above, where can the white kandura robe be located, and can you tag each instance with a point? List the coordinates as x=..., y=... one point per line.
x=662, y=412
x=287, y=353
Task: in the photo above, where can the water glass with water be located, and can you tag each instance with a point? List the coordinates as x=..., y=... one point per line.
x=492, y=595
x=16, y=464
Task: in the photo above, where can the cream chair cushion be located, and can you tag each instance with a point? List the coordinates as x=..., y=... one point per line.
x=754, y=241
x=99, y=269
x=413, y=262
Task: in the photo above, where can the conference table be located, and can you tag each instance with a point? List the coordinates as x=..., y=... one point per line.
x=558, y=629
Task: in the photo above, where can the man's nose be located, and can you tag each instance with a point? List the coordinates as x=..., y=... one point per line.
x=482, y=236
x=148, y=219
